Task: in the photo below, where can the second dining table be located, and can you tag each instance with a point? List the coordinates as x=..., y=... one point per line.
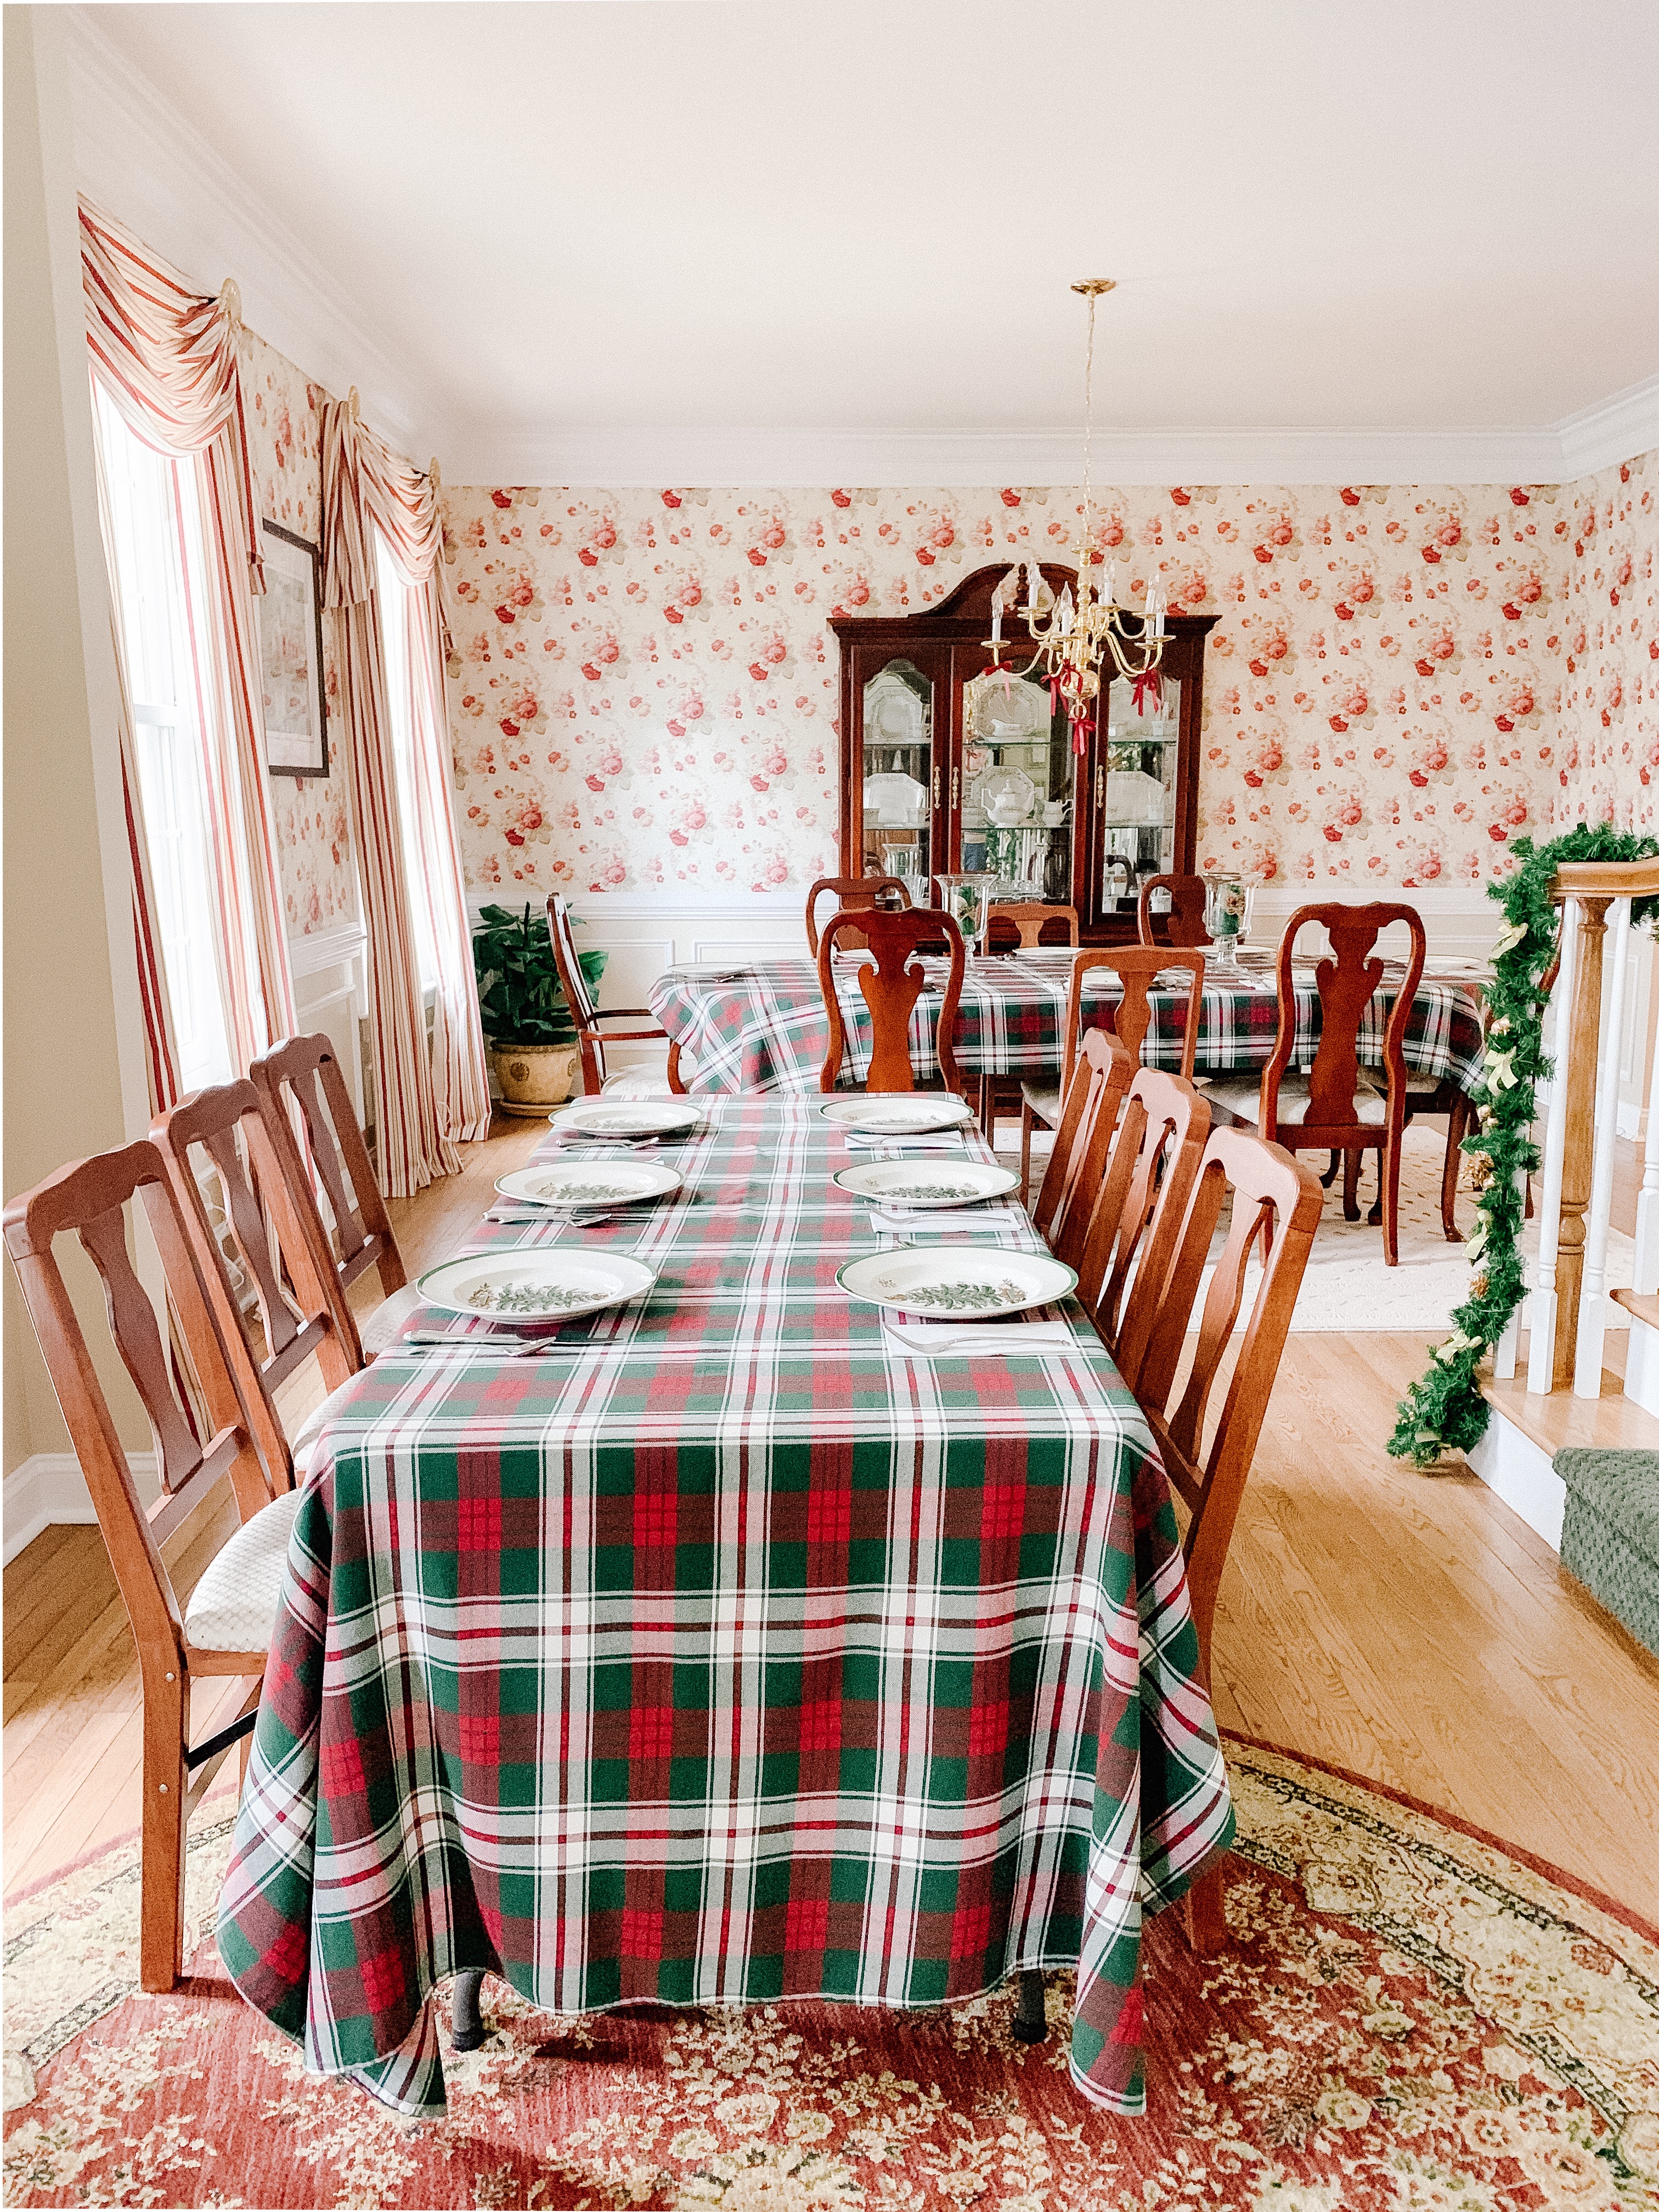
x=723, y=1648
x=761, y=1025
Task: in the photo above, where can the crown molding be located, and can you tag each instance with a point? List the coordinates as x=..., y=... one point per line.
x=1616, y=430
x=622, y=460
x=142, y=162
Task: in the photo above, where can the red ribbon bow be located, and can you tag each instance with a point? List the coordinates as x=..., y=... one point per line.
x=1148, y=685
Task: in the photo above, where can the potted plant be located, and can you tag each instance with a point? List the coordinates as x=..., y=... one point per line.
x=528, y=1022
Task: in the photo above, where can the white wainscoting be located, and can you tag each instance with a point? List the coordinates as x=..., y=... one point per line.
x=643, y=933
x=330, y=994
x=1460, y=921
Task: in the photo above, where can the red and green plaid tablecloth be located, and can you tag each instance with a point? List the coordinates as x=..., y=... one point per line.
x=724, y=1654
x=765, y=1029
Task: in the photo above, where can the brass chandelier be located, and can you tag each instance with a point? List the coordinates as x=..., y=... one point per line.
x=1073, y=638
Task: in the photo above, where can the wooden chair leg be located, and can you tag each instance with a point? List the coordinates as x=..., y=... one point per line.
x=161, y=1849
x=1387, y=1171
x=1457, y=1122
x=1030, y=2020
x=1204, y=1909
x=674, y=1082
x=1026, y=1125
x=1351, y=1186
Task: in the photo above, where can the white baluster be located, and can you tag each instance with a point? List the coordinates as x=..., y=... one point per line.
x=1593, y=1303
x=1540, y=1305
x=1646, y=1276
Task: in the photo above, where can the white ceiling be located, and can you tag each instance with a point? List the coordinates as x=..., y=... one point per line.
x=620, y=241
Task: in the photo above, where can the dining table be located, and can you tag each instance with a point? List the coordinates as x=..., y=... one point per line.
x=735, y=1644
x=762, y=1025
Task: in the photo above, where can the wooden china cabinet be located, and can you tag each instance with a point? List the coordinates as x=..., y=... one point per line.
x=937, y=778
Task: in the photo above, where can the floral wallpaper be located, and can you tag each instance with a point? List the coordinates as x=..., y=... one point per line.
x=644, y=691
x=310, y=814
x=1609, y=650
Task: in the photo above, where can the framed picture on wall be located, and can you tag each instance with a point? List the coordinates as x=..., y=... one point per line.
x=291, y=654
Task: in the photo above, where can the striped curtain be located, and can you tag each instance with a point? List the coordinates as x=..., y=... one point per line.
x=426, y=1097
x=168, y=357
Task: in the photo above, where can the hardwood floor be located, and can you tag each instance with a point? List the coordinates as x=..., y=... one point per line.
x=1405, y=1626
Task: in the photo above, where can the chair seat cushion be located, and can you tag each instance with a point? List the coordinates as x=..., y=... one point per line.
x=234, y=1607
x=637, y=1082
x=376, y=1330
x=1244, y=1099
x=303, y=1442
x=1042, y=1101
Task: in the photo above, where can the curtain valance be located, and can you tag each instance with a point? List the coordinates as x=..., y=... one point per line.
x=167, y=355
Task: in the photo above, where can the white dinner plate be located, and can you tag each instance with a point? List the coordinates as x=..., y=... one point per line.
x=605, y=1182
x=919, y=1182
x=900, y=1114
x=524, y=1288
x=953, y=1282
x=627, y=1117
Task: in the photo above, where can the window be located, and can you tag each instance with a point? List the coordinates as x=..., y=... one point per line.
x=155, y=535
x=394, y=638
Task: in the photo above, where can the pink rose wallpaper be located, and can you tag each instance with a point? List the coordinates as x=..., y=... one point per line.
x=1608, y=673
x=310, y=814
x=643, y=691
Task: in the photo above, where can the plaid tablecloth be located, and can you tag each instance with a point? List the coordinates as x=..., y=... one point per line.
x=725, y=1653
x=767, y=1031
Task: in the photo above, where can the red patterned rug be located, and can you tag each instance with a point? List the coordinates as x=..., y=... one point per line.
x=1410, y=2018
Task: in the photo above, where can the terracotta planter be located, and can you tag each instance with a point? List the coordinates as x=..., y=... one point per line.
x=533, y=1077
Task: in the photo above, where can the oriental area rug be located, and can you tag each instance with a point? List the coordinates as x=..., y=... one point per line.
x=1408, y=2017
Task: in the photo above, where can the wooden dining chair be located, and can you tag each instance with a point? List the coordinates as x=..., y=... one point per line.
x=1027, y=923
x=1182, y=922
x=890, y=987
x=585, y=1012
x=294, y=1310
x=1275, y=1202
x=1137, y=967
x=1337, y=1107
x=313, y=1124
x=1099, y=1076
x=223, y=1626
x=1137, y=1215
x=853, y=895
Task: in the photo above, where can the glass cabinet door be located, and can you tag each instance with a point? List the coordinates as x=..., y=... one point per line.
x=903, y=816
x=1017, y=787
x=1136, y=812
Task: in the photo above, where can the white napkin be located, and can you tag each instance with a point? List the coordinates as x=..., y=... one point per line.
x=927, y=1337
x=939, y=1217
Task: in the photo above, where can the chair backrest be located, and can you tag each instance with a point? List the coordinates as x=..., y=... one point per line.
x=1269, y=1190
x=1137, y=967
x=1088, y=1113
x=1029, y=922
x=891, y=986
x=89, y=1199
x=573, y=977
x=1346, y=985
x=1182, y=921
x=856, y=895
x=282, y=1256
x=303, y=1077
x=1138, y=1213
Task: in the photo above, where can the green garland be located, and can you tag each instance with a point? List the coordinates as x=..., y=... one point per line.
x=1445, y=1411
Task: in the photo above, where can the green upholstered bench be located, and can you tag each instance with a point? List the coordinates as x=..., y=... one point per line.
x=1610, y=1536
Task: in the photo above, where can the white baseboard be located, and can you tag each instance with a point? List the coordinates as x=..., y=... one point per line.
x=1520, y=1472
x=49, y=1490
x=1642, y=1365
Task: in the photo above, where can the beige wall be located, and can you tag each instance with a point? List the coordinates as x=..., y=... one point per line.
x=69, y=1076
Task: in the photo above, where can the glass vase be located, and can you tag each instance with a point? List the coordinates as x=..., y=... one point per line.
x=1227, y=900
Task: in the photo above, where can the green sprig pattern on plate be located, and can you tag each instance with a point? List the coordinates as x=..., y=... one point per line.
x=963, y=1297
x=526, y=1297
